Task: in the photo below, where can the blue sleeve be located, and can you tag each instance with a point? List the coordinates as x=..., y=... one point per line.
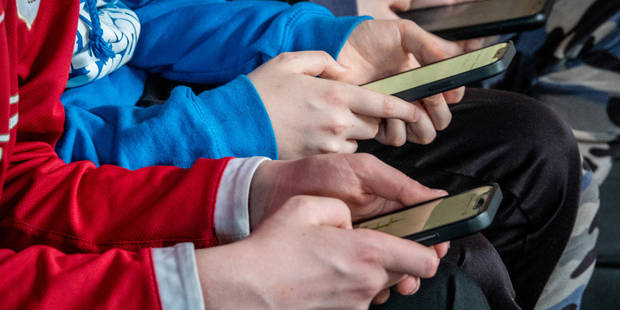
x=227, y=121
x=213, y=41
x=204, y=41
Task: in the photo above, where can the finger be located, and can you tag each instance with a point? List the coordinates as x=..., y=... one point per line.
x=438, y=110
x=363, y=128
x=370, y=103
x=382, y=134
x=472, y=44
x=421, y=43
x=394, y=133
x=321, y=211
x=400, y=5
x=422, y=131
x=455, y=95
x=408, y=286
x=312, y=63
x=404, y=256
x=334, y=145
x=387, y=182
x=382, y=297
x=350, y=146
x=442, y=249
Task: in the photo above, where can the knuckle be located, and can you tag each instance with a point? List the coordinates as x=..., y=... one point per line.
x=370, y=288
x=374, y=130
x=287, y=57
x=336, y=127
x=388, y=106
x=446, y=121
x=368, y=252
x=433, y=101
x=334, y=96
x=396, y=140
x=301, y=202
x=329, y=147
x=404, y=24
x=423, y=138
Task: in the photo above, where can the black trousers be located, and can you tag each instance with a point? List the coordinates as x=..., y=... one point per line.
x=520, y=144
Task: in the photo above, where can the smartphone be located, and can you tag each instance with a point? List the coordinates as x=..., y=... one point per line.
x=447, y=74
x=441, y=219
x=481, y=18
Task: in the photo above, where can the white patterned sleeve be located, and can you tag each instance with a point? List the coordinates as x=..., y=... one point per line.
x=120, y=28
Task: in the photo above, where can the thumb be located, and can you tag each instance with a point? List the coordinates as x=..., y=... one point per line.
x=312, y=63
x=400, y=5
x=422, y=44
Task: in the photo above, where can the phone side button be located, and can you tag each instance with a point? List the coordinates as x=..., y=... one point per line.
x=441, y=86
x=428, y=237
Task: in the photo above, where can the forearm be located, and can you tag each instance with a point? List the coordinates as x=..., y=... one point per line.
x=228, y=121
x=44, y=278
x=78, y=207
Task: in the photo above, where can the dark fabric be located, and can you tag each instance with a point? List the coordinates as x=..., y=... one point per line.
x=519, y=143
x=477, y=257
x=449, y=289
x=339, y=7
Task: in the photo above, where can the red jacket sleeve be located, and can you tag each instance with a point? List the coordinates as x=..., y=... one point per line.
x=44, y=278
x=77, y=207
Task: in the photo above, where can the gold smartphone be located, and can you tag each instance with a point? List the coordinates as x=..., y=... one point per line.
x=441, y=219
x=446, y=74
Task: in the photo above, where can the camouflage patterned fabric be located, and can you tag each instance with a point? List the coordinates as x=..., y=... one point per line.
x=571, y=275
x=573, y=65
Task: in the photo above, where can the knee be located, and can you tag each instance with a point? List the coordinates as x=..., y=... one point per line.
x=529, y=134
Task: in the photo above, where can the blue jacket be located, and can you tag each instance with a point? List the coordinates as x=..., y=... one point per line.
x=200, y=41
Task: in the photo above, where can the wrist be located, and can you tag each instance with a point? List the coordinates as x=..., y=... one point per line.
x=225, y=282
x=260, y=191
x=273, y=183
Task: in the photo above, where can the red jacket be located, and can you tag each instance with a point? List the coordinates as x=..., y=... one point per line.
x=47, y=206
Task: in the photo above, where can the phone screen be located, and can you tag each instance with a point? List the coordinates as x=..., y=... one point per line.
x=432, y=214
x=439, y=70
x=473, y=13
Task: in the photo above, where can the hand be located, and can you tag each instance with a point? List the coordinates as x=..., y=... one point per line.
x=376, y=49
x=382, y=9
x=311, y=115
x=306, y=256
x=367, y=185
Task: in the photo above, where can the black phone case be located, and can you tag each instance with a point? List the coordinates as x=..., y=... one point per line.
x=495, y=28
x=459, y=80
x=462, y=228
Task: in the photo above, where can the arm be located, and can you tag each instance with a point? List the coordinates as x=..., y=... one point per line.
x=44, y=278
x=116, y=28
x=234, y=37
x=110, y=129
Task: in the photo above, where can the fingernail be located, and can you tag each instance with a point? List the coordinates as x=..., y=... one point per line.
x=439, y=192
x=414, y=289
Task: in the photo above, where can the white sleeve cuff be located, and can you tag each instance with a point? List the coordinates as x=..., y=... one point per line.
x=231, y=217
x=177, y=277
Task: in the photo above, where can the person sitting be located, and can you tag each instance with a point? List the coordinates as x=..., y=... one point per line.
x=278, y=110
